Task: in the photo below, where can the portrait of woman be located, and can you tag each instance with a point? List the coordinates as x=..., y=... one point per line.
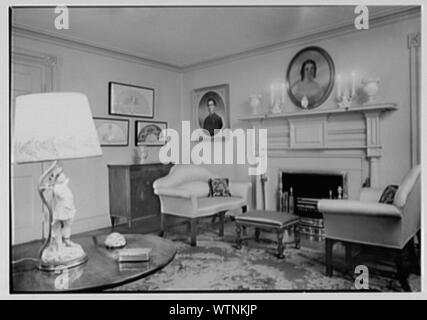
x=311, y=77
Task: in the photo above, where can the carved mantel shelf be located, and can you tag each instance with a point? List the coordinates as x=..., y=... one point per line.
x=312, y=113
x=327, y=129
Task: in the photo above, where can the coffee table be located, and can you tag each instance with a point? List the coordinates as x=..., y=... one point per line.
x=102, y=271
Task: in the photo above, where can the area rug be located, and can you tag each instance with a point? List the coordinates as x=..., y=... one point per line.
x=216, y=265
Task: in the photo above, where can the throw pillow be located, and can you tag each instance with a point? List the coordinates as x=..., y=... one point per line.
x=388, y=194
x=218, y=187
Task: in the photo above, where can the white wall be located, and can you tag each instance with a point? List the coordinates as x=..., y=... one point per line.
x=380, y=51
x=90, y=73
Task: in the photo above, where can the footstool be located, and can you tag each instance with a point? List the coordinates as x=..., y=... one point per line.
x=269, y=220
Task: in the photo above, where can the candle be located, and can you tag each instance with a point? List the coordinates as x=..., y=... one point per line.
x=338, y=86
x=353, y=84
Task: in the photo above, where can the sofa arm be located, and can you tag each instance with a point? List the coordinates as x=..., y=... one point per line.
x=240, y=189
x=352, y=207
x=173, y=192
x=370, y=194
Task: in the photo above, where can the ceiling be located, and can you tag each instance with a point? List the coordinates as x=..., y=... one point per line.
x=186, y=36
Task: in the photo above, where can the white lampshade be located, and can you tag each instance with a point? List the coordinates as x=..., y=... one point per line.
x=54, y=126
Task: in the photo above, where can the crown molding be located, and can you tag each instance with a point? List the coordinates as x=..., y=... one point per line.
x=330, y=31
x=28, y=32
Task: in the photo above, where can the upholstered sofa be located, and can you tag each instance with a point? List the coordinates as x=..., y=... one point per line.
x=184, y=193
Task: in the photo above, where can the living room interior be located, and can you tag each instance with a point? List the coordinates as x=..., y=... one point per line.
x=308, y=223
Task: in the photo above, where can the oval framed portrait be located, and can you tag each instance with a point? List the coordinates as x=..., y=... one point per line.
x=310, y=76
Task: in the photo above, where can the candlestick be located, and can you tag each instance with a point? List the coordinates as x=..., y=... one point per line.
x=353, y=84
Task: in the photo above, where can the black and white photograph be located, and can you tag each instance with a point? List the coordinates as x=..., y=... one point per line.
x=315, y=192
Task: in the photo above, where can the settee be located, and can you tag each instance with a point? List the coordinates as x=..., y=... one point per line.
x=184, y=193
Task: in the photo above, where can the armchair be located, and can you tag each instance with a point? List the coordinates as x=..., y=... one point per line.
x=184, y=193
x=369, y=222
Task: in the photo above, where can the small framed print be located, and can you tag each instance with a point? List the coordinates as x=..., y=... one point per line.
x=112, y=132
x=149, y=133
x=130, y=101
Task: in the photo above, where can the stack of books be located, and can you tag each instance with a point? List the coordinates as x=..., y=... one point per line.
x=134, y=254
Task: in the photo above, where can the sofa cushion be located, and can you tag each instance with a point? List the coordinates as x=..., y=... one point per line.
x=198, y=188
x=213, y=205
x=218, y=187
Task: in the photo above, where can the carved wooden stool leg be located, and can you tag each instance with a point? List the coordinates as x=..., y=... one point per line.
x=329, y=243
x=244, y=209
x=193, y=232
x=257, y=233
x=245, y=232
x=238, y=236
x=221, y=223
x=297, y=236
x=280, y=247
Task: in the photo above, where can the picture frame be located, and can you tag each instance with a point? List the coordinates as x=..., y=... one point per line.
x=130, y=100
x=211, y=118
x=112, y=132
x=310, y=77
x=148, y=133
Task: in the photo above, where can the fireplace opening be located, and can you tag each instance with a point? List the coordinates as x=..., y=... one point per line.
x=300, y=191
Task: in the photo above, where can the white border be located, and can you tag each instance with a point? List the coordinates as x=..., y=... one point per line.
x=4, y=164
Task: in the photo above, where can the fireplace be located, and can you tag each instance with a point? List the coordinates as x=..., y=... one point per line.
x=299, y=192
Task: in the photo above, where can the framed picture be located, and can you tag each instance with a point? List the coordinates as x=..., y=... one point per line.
x=149, y=133
x=130, y=101
x=211, y=108
x=310, y=76
x=112, y=132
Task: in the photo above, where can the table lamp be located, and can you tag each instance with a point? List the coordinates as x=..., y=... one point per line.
x=51, y=127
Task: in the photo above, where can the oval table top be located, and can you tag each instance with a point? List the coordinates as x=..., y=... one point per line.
x=100, y=272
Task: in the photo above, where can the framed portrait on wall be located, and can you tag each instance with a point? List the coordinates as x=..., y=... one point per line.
x=130, y=101
x=112, y=132
x=310, y=77
x=211, y=108
x=149, y=133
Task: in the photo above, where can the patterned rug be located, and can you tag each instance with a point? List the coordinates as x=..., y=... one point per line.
x=215, y=265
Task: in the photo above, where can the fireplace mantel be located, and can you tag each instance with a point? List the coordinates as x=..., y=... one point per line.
x=327, y=129
x=313, y=113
